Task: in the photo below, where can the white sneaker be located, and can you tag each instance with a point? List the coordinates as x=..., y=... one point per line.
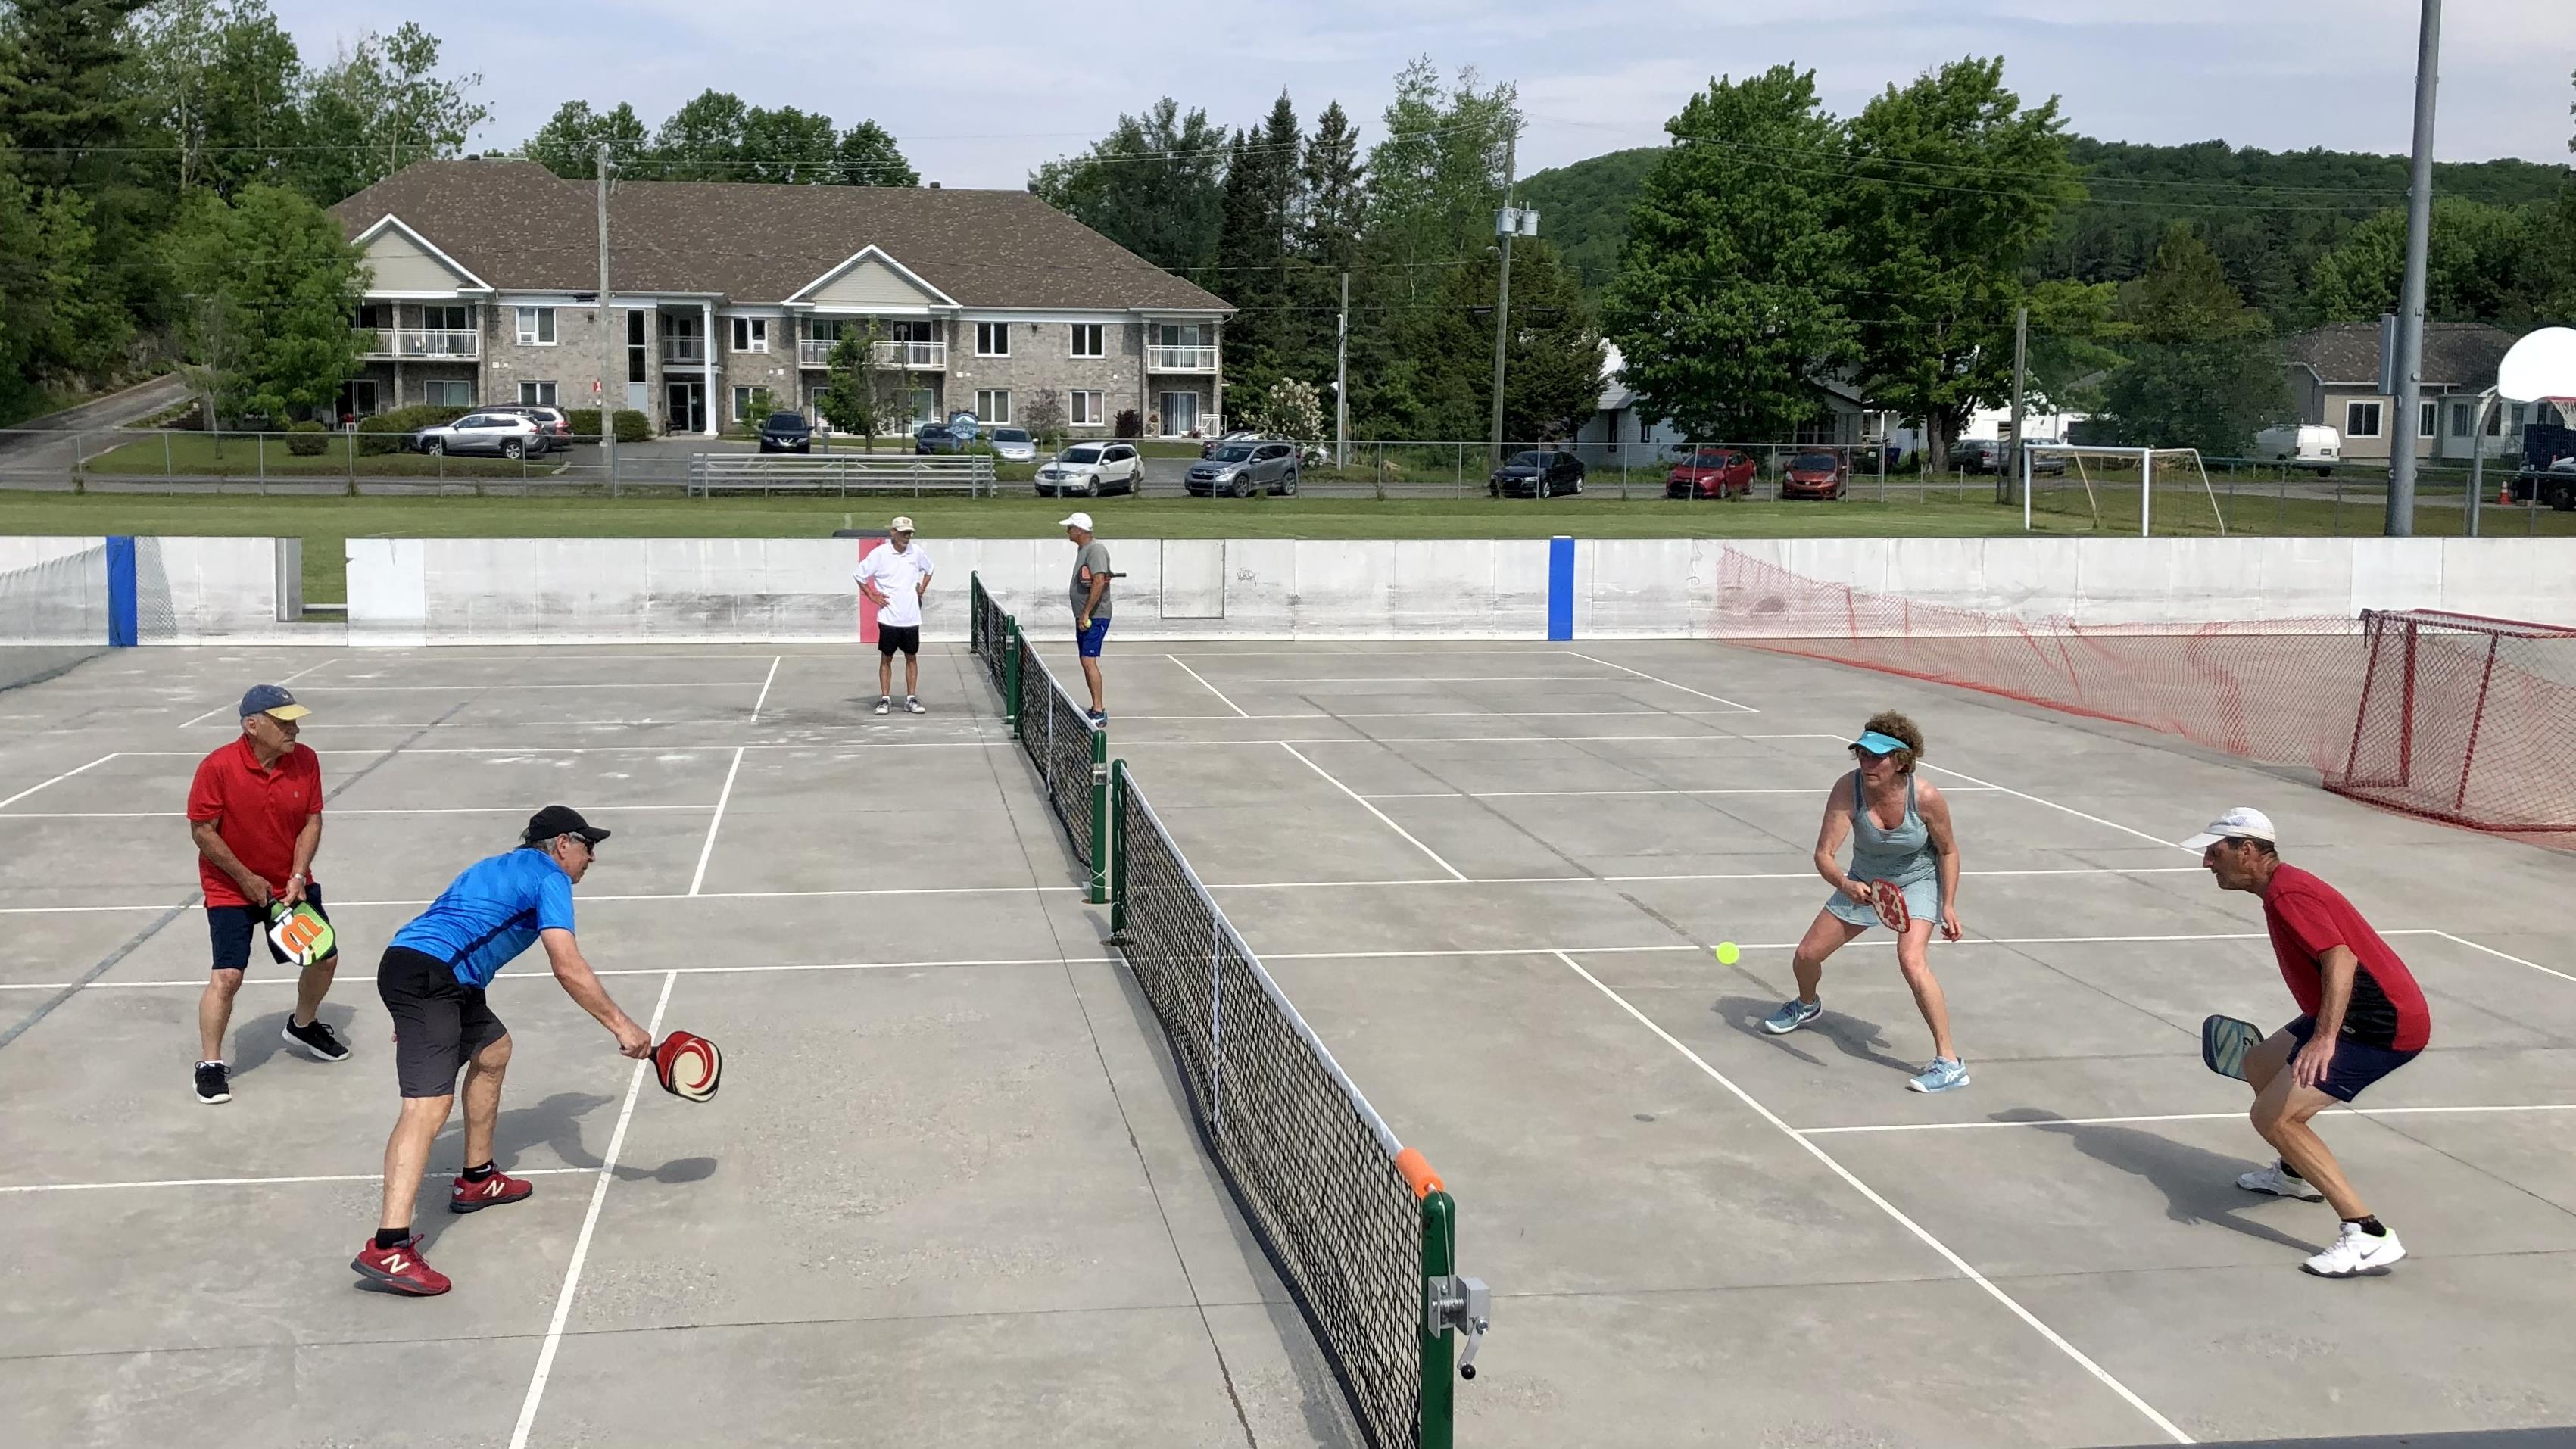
x=2277, y=1181
x=2356, y=1253
x=913, y=706
x=884, y=704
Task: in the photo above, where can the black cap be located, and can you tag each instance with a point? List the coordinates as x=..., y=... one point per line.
x=557, y=820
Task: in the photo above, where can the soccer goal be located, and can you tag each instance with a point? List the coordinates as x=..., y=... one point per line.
x=2107, y=477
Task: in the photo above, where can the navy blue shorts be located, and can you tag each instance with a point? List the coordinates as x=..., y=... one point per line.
x=2356, y=1064
x=1087, y=641
x=231, y=927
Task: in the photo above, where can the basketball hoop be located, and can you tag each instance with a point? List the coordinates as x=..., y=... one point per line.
x=2540, y=368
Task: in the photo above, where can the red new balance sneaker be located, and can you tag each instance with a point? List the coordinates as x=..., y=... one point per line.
x=500, y=1187
x=402, y=1269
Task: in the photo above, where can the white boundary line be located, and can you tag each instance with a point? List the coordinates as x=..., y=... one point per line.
x=2492, y=951
x=1440, y=679
x=675, y=747
x=343, y=810
x=1454, y=872
x=1547, y=794
x=1239, y=711
x=707, y=851
x=756, y=704
x=515, y=686
x=290, y=679
x=58, y=779
x=260, y=1181
x=2056, y=1340
x=2178, y=1117
x=1318, y=716
x=2053, y=805
x=589, y=1225
x=1668, y=684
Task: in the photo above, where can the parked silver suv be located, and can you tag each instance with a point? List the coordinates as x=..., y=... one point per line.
x=1238, y=470
x=507, y=434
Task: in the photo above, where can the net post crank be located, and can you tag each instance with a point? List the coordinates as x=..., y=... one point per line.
x=1464, y=1304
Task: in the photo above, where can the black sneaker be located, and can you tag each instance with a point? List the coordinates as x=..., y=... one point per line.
x=319, y=1039
x=214, y=1083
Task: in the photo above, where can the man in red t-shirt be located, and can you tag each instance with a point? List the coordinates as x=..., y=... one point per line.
x=255, y=812
x=2361, y=1017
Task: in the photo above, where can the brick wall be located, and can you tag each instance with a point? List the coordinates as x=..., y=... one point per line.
x=1041, y=357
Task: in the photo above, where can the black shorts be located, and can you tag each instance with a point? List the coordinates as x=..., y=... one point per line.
x=231, y=927
x=2356, y=1064
x=439, y=1023
x=891, y=637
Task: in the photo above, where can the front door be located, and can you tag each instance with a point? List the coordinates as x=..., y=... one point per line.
x=686, y=409
x=1180, y=414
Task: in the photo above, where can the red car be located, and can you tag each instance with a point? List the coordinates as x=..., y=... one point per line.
x=1813, y=475
x=1711, y=473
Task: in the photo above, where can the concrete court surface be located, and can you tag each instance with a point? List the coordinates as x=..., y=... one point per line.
x=949, y=1195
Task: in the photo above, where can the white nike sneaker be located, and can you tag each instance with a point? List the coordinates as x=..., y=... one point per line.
x=2356, y=1253
x=2277, y=1181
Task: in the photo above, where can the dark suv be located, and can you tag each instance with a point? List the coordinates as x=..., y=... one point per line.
x=1239, y=470
x=786, y=433
x=1537, y=473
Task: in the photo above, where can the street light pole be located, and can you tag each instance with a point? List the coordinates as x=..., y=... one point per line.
x=2410, y=306
x=607, y=338
x=1506, y=223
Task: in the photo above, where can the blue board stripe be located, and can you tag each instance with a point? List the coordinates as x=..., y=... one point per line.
x=121, y=611
x=1560, y=587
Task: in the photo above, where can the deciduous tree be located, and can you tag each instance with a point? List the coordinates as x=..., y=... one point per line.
x=266, y=284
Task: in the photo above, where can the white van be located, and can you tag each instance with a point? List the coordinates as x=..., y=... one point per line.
x=2312, y=444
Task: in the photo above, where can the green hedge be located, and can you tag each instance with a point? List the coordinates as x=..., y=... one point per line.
x=307, y=439
x=390, y=432
x=632, y=426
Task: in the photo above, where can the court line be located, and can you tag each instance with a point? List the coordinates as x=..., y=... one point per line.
x=1922, y=1234
x=1440, y=679
x=515, y=686
x=260, y=1181
x=707, y=851
x=1438, y=714
x=1239, y=711
x=375, y=810
x=674, y=747
x=58, y=779
x=2180, y=1117
x=290, y=679
x=589, y=1225
x=751, y=970
x=764, y=687
x=2053, y=805
x=1539, y=794
x=1668, y=684
x=1373, y=810
x=2492, y=951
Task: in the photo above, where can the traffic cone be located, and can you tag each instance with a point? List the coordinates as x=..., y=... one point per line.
x=2504, y=495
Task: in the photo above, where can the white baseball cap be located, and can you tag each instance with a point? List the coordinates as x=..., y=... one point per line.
x=2242, y=823
x=901, y=524
x=1079, y=520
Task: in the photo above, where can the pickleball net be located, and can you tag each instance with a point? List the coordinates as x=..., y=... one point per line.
x=1359, y=1229
x=1070, y=752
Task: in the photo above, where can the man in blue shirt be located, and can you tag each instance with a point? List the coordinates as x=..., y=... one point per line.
x=432, y=980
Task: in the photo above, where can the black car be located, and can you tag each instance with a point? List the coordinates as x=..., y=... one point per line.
x=786, y=433
x=938, y=438
x=1537, y=473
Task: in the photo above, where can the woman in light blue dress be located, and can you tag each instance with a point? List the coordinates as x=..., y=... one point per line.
x=1899, y=831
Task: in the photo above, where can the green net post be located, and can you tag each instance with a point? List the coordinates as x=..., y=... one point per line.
x=975, y=615
x=1011, y=674
x=1439, y=1260
x=1117, y=854
x=1099, y=815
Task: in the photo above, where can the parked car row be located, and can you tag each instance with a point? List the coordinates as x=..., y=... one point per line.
x=506, y=430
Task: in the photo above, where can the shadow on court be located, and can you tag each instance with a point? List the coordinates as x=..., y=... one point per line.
x=1860, y=1040
x=2199, y=1185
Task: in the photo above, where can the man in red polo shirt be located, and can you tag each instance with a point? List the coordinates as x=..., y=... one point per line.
x=255, y=811
x=2362, y=1017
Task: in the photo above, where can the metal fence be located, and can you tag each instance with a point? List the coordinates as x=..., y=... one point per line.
x=968, y=473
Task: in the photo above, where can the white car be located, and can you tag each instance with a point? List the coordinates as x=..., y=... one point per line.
x=1013, y=445
x=1093, y=469
x=2310, y=445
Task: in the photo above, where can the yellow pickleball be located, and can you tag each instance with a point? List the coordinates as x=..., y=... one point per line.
x=1727, y=954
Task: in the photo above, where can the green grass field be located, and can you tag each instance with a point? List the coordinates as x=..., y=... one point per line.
x=324, y=522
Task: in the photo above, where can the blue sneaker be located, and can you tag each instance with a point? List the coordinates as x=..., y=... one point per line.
x=1943, y=1075
x=1792, y=1015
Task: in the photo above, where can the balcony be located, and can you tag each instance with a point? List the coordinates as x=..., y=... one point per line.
x=684, y=352
x=436, y=344
x=815, y=351
x=1180, y=359
x=913, y=356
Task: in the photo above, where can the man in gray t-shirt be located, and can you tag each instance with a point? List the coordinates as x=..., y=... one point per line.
x=1089, y=594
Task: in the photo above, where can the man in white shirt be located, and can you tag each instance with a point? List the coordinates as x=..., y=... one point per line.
x=894, y=578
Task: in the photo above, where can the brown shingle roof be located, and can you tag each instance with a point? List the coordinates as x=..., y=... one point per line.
x=2459, y=356
x=522, y=228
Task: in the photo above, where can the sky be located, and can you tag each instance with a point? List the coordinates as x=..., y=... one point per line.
x=979, y=92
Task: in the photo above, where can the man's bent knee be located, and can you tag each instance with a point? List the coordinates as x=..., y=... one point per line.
x=494, y=1055
x=223, y=983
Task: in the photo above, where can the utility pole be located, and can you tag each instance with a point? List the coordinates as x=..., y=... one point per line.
x=2410, y=306
x=608, y=339
x=1506, y=222
x=1342, y=382
x=2008, y=475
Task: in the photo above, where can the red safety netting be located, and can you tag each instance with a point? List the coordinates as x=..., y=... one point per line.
x=2435, y=714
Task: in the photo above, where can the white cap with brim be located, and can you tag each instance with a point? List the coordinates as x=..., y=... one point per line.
x=2242, y=823
x=1079, y=520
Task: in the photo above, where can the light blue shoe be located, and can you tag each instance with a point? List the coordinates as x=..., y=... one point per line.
x=1792, y=1015
x=1945, y=1074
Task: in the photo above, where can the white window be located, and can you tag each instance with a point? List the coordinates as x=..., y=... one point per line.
x=537, y=394
x=536, y=327
x=2460, y=415
x=449, y=392
x=993, y=404
x=750, y=334
x=2428, y=419
x=1086, y=409
x=992, y=339
x=744, y=403
x=2361, y=420
x=1087, y=340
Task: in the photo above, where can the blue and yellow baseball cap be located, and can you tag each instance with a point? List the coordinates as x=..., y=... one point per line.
x=271, y=700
